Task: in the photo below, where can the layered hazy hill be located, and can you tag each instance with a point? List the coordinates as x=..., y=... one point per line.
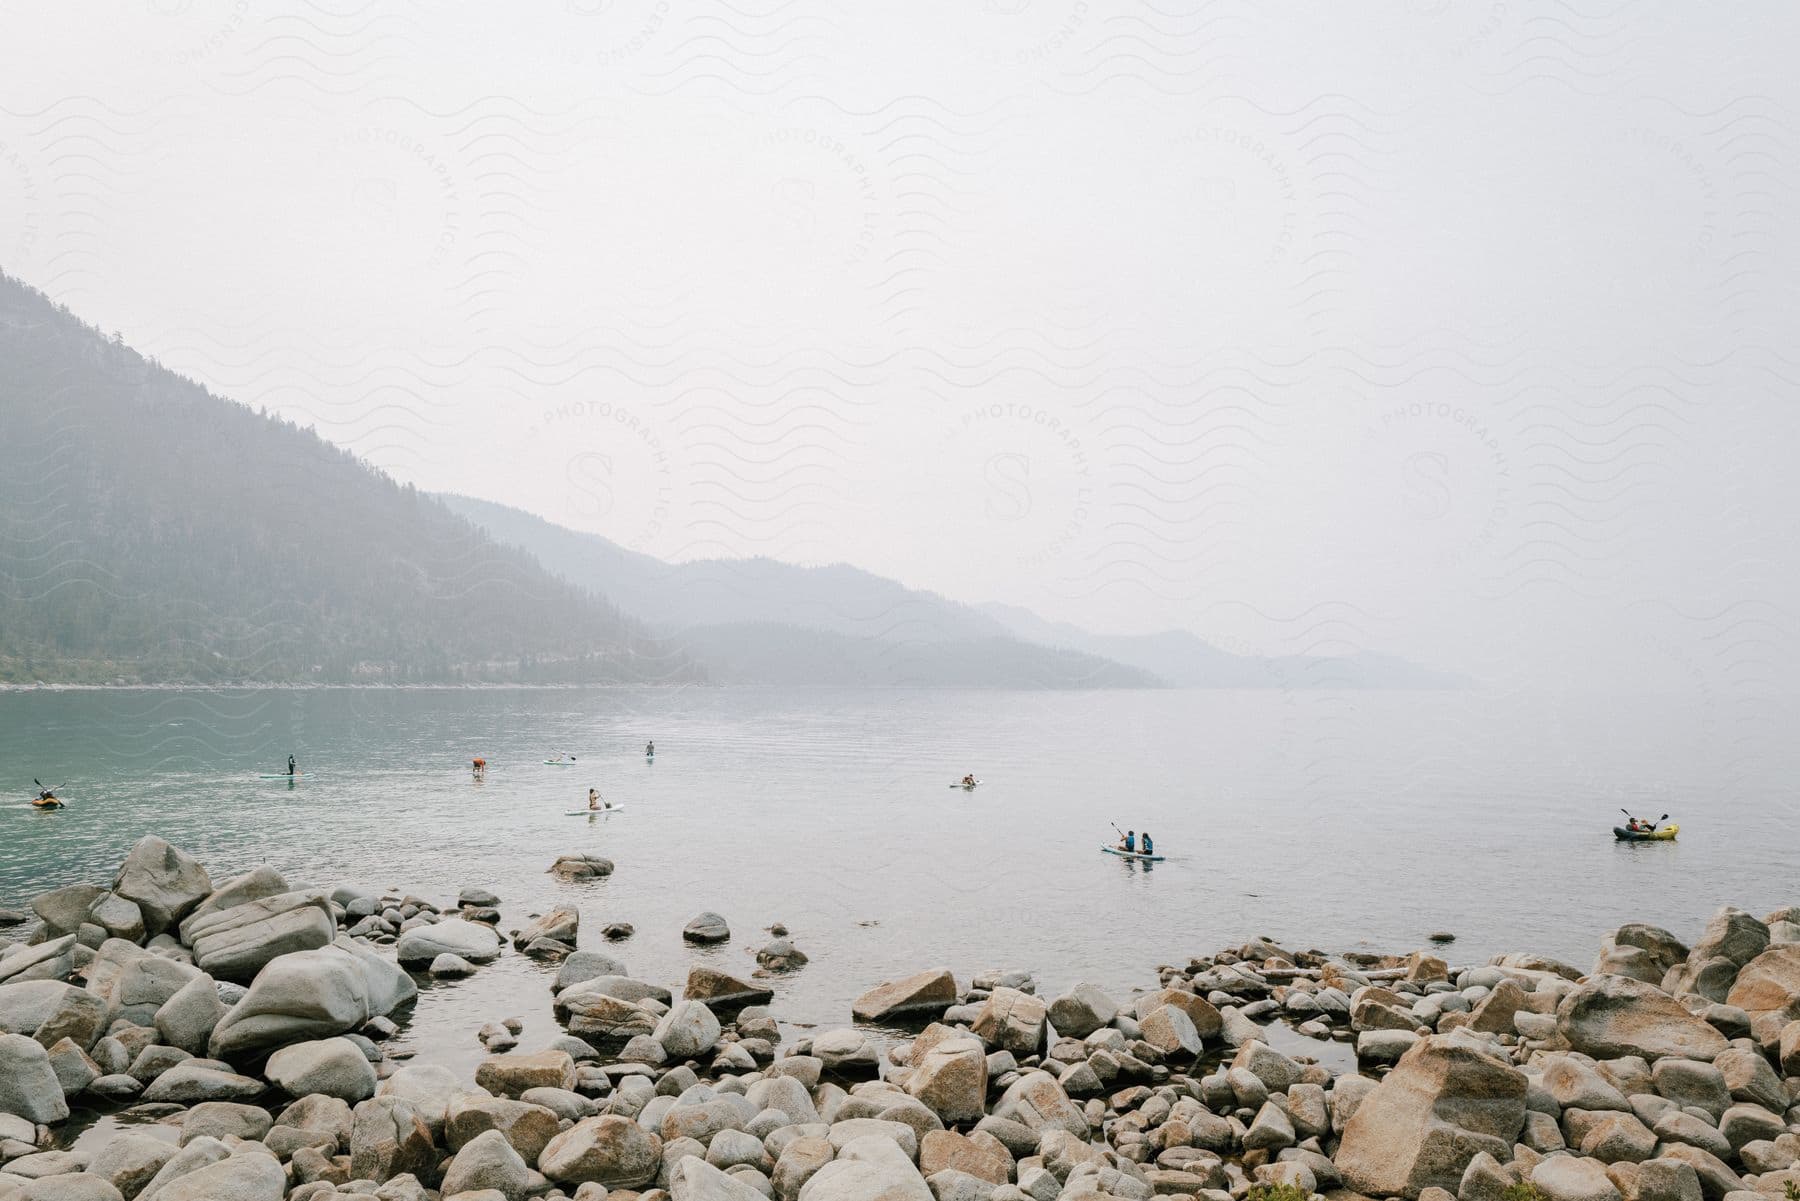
x=763, y=621
x=152, y=532
x=773, y=622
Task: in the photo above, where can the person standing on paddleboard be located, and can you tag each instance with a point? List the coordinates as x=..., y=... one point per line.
x=290, y=765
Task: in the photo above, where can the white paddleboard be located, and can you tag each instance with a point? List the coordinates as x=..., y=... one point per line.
x=592, y=812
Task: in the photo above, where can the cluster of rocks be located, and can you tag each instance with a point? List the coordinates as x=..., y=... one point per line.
x=243, y=1026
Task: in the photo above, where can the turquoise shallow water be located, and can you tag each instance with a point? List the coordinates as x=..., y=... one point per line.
x=1334, y=820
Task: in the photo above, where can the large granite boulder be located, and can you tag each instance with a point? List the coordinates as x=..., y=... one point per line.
x=52, y=959
x=254, y=885
x=951, y=1079
x=1037, y=1102
x=721, y=990
x=311, y=994
x=166, y=883
x=1612, y=1016
x=611, y=1150
x=581, y=867
x=929, y=992
x=133, y=982
x=28, y=1085
x=188, y=1019
x=1011, y=1020
x=62, y=910
x=871, y=1168
x=1082, y=1010
x=333, y=1067
x=474, y=941
x=388, y=1137
x=49, y=1010
x=1447, y=1099
x=562, y=924
x=608, y=1019
x=487, y=1161
x=235, y=943
x=250, y=1176
x=687, y=1031
x=1769, y=984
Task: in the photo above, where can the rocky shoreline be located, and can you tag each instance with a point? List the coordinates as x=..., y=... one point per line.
x=243, y=1035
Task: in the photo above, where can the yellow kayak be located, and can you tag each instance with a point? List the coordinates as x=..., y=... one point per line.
x=1664, y=834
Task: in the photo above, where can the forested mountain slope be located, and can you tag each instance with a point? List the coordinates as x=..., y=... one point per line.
x=152, y=532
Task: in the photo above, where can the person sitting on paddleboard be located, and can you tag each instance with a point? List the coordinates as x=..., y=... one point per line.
x=1129, y=846
x=968, y=781
x=1146, y=845
x=593, y=798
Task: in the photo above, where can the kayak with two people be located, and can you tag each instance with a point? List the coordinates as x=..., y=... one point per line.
x=1132, y=845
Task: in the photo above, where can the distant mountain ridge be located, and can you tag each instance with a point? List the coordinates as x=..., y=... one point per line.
x=1189, y=661
x=151, y=532
x=761, y=619
x=766, y=622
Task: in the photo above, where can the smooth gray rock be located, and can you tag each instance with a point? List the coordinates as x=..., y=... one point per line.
x=64, y=909
x=388, y=1136
x=117, y=916
x=708, y=927
x=50, y=1010
x=1082, y=1010
x=473, y=941
x=254, y=885
x=237, y=942
x=129, y=1160
x=334, y=1067
x=561, y=924
x=166, y=883
x=28, y=1084
x=50, y=960
x=585, y=965
x=71, y=1186
x=688, y=1031
x=187, y=1083
x=188, y=1019
x=312, y=994
x=487, y=1161
x=247, y=1177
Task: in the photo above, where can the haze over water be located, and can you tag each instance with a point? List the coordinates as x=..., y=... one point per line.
x=1336, y=820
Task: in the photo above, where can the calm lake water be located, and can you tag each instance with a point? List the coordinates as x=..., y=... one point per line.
x=1341, y=821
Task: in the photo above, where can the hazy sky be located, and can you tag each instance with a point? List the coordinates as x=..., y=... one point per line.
x=1460, y=330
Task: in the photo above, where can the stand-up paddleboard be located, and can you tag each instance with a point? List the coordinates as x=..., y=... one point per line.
x=968, y=787
x=1138, y=855
x=592, y=812
x=280, y=775
x=559, y=763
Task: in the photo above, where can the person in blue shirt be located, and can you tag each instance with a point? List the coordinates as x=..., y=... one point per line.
x=1129, y=846
x=1149, y=847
